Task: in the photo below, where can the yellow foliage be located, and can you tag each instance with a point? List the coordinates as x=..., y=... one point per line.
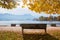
x=24, y=2
x=48, y=6
x=9, y=4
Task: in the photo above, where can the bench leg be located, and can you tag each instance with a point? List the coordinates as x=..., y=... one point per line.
x=45, y=31
x=23, y=32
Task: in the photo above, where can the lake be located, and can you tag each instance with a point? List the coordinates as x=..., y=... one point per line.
x=29, y=22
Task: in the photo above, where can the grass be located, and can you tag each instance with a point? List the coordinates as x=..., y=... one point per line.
x=56, y=34
x=39, y=37
x=10, y=36
x=7, y=35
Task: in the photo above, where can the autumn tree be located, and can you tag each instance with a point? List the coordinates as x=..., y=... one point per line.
x=47, y=6
x=9, y=4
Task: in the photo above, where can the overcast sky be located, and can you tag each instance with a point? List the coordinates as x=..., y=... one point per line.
x=18, y=10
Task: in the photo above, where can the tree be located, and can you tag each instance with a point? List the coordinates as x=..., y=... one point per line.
x=50, y=18
x=41, y=18
x=9, y=4
x=48, y=6
x=58, y=18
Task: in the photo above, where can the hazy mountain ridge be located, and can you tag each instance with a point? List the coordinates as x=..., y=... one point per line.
x=7, y=17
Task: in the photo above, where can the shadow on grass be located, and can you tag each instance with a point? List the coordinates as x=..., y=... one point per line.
x=38, y=37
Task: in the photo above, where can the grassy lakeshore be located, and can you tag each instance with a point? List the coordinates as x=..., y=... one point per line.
x=8, y=35
x=53, y=33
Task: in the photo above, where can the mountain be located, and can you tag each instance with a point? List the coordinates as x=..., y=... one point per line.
x=10, y=17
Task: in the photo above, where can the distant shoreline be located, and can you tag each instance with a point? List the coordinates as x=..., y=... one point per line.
x=28, y=22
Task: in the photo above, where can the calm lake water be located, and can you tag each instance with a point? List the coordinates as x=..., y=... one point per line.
x=29, y=22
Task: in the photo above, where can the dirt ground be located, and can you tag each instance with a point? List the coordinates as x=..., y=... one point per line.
x=30, y=31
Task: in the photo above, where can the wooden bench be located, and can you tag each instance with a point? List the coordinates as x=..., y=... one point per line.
x=33, y=26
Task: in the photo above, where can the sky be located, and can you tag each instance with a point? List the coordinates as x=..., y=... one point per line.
x=20, y=11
